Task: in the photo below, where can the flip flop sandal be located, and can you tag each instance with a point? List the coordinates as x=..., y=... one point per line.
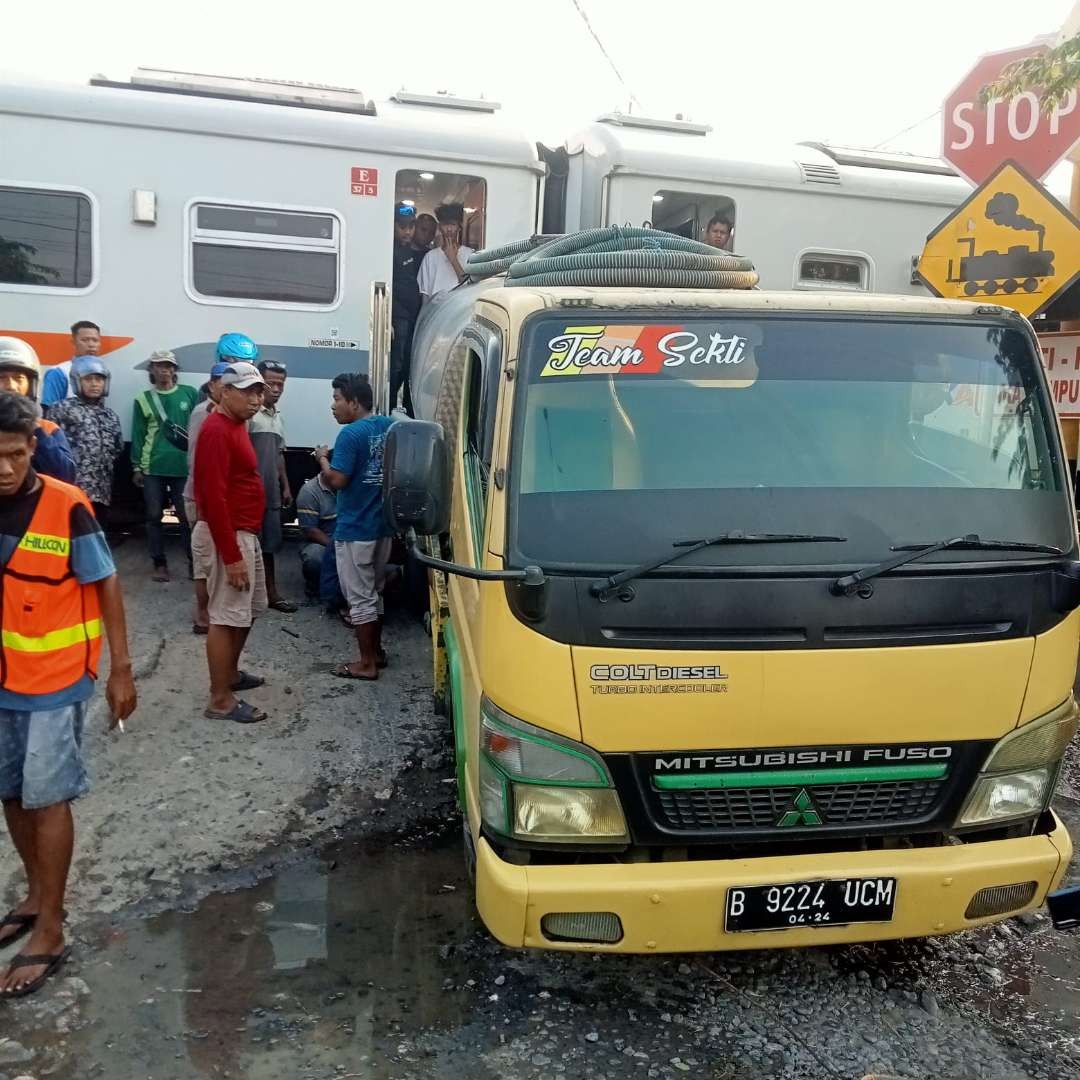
x=247, y=681
x=53, y=964
x=25, y=923
x=343, y=672
x=287, y=607
x=241, y=713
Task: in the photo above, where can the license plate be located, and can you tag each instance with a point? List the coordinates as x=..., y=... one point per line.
x=809, y=903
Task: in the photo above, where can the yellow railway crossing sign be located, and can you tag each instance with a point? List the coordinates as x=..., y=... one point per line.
x=1011, y=241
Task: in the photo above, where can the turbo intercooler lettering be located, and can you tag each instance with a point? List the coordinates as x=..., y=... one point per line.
x=771, y=759
x=657, y=679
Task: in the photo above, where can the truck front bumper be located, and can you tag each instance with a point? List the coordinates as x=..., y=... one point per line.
x=679, y=906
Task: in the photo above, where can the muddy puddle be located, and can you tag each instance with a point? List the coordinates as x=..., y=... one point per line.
x=317, y=972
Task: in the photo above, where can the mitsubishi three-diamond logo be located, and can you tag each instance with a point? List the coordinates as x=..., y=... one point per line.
x=802, y=812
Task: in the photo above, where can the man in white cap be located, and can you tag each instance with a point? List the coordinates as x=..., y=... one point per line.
x=159, y=452
x=230, y=501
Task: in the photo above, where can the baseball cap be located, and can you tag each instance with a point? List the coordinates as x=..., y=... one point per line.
x=241, y=375
x=219, y=369
x=163, y=356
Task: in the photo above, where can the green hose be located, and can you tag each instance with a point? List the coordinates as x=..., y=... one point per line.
x=619, y=256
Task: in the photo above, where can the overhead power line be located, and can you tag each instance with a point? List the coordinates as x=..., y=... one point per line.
x=607, y=55
x=910, y=127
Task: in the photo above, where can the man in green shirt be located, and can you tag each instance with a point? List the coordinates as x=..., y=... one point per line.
x=159, y=453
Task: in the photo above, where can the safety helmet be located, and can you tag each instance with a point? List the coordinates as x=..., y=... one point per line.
x=82, y=366
x=237, y=347
x=16, y=353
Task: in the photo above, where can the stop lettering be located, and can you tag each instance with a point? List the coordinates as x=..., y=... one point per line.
x=976, y=140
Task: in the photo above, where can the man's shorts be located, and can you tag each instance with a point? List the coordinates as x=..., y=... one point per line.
x=361, y=567
x=41, y=760
x=271, y=538
x=229, y=606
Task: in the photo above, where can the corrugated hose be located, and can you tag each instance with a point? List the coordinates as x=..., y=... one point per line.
x=616, y=255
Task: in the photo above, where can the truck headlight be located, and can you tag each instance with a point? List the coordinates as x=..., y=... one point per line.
x=535, y=785
x=1018, y=778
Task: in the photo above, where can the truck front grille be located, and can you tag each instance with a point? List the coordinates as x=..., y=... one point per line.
x=880, y=803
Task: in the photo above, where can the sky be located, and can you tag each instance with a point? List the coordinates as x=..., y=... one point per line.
x=863, y=73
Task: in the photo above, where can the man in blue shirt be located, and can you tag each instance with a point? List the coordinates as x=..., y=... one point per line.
x=85, y=341
x=361, y=537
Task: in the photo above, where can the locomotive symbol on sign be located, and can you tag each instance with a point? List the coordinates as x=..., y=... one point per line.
x=1010, y=239
x=1020, y=267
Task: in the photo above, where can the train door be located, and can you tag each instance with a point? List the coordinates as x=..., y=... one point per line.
x=440, y=218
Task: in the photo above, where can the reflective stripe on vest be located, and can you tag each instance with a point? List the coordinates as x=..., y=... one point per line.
x=54, y=639
x=50, y=625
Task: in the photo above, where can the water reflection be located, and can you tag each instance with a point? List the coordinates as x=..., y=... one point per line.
x=312, y=968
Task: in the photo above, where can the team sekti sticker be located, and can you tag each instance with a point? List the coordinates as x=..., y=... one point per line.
x=711, y=354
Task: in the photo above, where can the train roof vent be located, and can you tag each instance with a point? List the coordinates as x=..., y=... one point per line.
x=883, y=159
x=444, y=100
x=679, y=125
x=813, y=173
x=265, y=91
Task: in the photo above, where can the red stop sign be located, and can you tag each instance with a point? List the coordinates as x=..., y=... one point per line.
x=977, y=140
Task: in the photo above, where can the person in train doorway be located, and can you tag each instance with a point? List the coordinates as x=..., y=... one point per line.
x=56, y=386
x=60, y=595
x=361, y=536
x=406, y=306
x=443, y=267
x=267, y=431
x=424, y=233
x=719, y=231
x=159, y=446
x=20, y=373
x=225, y=541
x=93, y=430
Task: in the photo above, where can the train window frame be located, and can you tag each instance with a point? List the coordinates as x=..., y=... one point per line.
x=35, y=187
x=700, y=220
x=403, y=192
x=849, y=258
x=194, y=234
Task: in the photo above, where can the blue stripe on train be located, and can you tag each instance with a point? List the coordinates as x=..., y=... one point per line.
x=303, y=361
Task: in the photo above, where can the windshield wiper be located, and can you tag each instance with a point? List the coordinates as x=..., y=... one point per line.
x=604, y=588
x=849, y=583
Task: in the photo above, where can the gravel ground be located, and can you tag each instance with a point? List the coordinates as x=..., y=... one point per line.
x=289, y=903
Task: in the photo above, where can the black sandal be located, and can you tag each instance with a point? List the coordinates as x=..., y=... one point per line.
x=24, y=922
x=52, y=963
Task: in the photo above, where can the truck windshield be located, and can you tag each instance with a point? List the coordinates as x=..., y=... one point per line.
x=628, y=432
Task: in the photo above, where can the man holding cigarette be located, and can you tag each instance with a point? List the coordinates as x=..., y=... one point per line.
x=59, y=595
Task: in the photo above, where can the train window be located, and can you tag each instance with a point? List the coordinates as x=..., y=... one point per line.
x=45, y=238
x=822, y=270
x=265, y=255
x=708, y=218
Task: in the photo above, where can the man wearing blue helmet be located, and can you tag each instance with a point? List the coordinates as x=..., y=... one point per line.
x=93, y=430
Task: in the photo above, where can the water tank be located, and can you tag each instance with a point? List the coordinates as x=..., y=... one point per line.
x=435, y=370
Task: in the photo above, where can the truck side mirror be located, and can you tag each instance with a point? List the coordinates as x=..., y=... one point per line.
x=416, y=485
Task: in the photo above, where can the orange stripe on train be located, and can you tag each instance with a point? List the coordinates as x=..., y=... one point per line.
x=54, y=348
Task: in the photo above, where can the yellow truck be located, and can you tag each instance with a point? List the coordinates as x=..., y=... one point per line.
x=755, y=613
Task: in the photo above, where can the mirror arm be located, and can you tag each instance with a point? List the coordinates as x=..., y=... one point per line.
x=530, y=575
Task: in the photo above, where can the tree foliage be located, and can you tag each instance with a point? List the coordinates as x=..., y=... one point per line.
x=1050, y=74
x=17, y=265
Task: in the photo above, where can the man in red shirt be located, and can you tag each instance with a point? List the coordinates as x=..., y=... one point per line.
x=225, y=544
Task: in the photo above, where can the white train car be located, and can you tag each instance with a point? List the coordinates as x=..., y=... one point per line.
x=174, y=208
x=809, y=216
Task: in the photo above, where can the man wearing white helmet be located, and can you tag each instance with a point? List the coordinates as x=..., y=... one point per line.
x=93, y=429
x=20, y=373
